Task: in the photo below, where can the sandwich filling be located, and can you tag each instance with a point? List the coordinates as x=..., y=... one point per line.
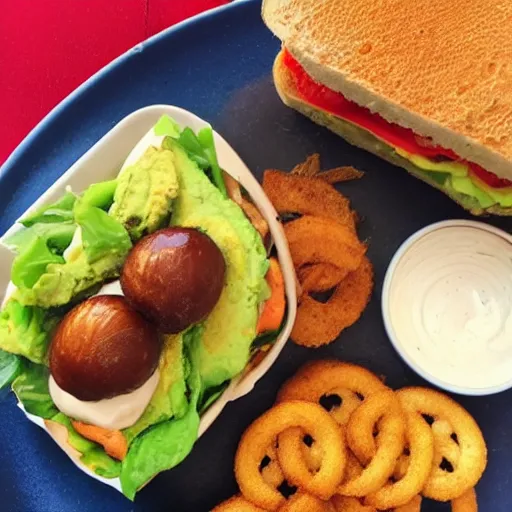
x=464, y=176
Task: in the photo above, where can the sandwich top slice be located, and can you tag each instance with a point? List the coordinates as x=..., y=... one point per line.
x=426, y=85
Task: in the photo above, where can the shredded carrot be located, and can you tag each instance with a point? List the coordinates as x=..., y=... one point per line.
x=112, y=440
x=273, y=309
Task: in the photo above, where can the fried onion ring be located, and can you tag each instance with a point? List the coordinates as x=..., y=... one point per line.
x=413, y=506
x=237, y=504
x=301, y=502
x=320, y=240
x=442, y=485
x=264, y=431
x=353, y=467
x=320, y=277
x=349, y=504
x=420, y=442
x=323, y=378
x=312, y=455
x=308, y=196
x=317, y=323
x=467, y=502
x=300, y=471
x=382, y=409
x=445, y=447
x=272, y=472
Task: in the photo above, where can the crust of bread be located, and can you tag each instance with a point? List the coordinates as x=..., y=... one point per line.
x=356, y=136
x=442, y=68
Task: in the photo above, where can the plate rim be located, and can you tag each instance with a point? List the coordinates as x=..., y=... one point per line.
x=103, y=71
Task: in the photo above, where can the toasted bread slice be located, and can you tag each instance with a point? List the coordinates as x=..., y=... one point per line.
x=442, y=68
x=285, y=86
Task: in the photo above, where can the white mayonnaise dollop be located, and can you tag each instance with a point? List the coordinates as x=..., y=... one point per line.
x=112, y=413
x=450, y=306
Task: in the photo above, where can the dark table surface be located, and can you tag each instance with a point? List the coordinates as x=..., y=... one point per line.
x=220, y=67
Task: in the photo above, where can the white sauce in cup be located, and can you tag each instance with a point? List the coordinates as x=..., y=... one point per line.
x=447, y=306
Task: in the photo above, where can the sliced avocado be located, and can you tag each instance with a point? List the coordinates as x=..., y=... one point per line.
x=26, y=330
x=63, y=282
x=462, y=182
x=223, y=347
x=169, y=399
x=466, y=186
x=448, y=166
x=502, y=196
x=144, y=193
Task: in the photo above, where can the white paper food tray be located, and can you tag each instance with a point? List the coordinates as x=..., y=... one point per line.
x=124, y=144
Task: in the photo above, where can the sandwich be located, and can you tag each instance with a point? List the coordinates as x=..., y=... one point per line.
x=425, y=85
x=134, y=303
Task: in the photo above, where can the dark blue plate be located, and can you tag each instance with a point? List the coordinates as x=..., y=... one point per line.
x=219, y=66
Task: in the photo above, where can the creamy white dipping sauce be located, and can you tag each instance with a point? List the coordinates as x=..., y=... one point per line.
x=450, y=306
x=112, y=413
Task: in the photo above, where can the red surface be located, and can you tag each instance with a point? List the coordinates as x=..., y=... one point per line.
x=395, y=135
x=49, y=47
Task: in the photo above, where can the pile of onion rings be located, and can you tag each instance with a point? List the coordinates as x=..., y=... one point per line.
x=325, y=249
x=338, y=439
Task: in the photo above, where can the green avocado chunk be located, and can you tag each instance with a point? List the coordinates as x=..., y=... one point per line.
x=166, y=444
x=169, y=399
x=144, y=193
x=464, y=185
x=26, y=330
x=64, y=282
x=223, y=348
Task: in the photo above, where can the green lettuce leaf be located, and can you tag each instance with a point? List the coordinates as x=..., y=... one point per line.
x=46, y=280
x=60, y=211
x=200, y=148
x=167, y=126
x=26, y=330
x=31, y=264
x=31, y=389
x=101, y=234
x=100, y=195
x=10, y=367
x=50, y=231
x=210, y=396
x=57, y=236
x=205, y=137
x=189, y=141
x=162, y=446
x=38, y=246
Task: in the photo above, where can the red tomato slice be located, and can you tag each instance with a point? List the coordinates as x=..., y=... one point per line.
x=395, y=135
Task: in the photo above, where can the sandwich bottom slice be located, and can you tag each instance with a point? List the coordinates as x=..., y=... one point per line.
x=477, y=198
